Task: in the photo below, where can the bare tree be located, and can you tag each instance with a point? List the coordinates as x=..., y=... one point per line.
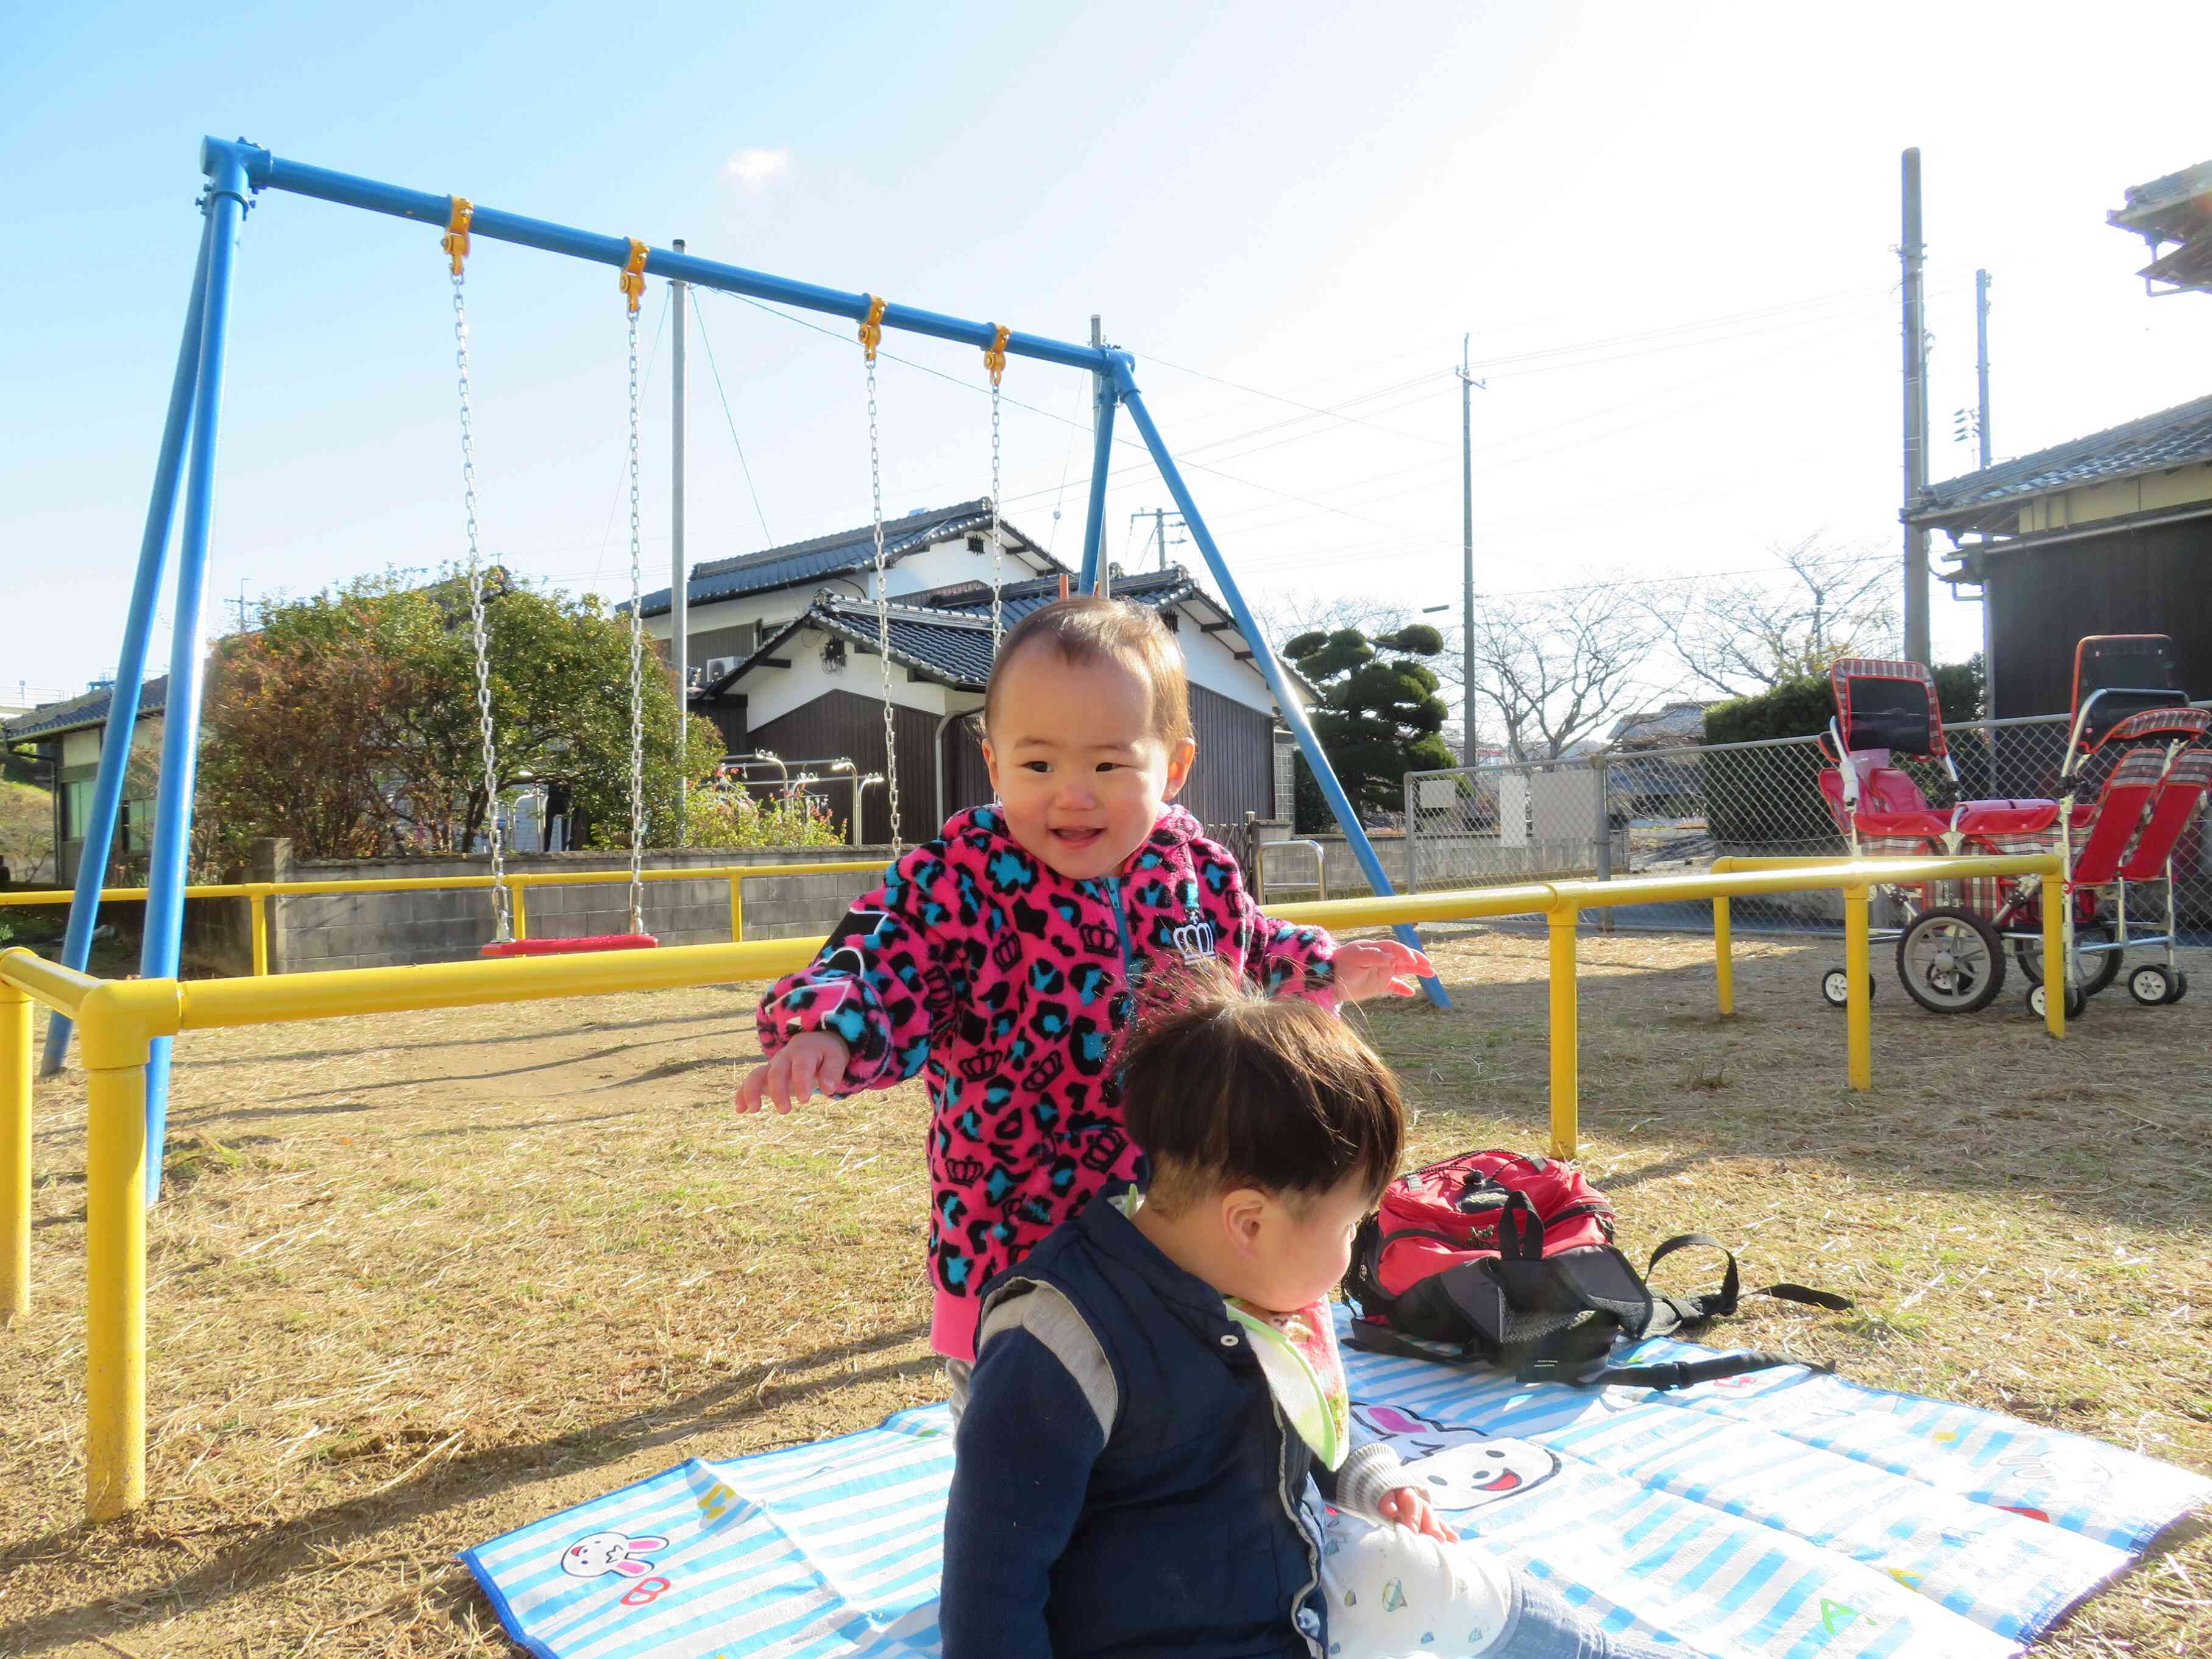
x=1558, y=667
x=1824, y=601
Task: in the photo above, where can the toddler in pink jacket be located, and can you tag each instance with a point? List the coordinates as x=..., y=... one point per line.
x=1003, y=960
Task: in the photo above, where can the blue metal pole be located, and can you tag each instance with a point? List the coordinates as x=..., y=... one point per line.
x=130, y=663
x=267, y=172
x=1102, y=452
x=1263, y=654
x=173, y=810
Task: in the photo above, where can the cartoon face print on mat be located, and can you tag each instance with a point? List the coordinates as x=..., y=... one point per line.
x=598, y=1554
x=1410, y=1434
x=1461, y=1469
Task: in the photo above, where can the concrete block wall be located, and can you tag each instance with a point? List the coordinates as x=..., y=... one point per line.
x=313, y=932
x=1446, y=861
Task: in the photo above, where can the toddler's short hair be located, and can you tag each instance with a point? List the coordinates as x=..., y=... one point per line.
x=1087, y=629
x=1226, y=1088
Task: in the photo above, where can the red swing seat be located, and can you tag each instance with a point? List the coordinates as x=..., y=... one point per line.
x=568, y=947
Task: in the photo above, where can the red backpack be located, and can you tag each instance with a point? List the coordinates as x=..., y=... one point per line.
x=1493, y=1258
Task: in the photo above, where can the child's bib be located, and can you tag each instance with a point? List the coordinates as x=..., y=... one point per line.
x=1299, y=1358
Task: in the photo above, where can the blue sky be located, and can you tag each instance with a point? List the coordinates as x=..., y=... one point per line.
x=1671, y=230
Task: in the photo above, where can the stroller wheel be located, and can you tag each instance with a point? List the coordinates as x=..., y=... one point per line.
x=1835, y=988
x=2180, y=986
x=2076, y=1000
x=2093, y=972
x=2152, y=985
x=1951, y=960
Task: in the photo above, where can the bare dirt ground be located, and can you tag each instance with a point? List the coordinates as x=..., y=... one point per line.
x=420, y=1279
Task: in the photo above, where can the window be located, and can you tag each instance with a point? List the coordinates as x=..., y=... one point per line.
x=77, y=809
x=136, y=835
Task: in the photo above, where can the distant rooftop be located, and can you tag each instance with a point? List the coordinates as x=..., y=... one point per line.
x=2176, y=209
x=798, y=564
x=1987, y=500
x=946, y=635
x=79, y=714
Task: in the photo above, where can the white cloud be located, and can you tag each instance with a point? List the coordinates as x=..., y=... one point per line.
x=753, y=168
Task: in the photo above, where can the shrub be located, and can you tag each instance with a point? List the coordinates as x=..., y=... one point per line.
x=723, y=812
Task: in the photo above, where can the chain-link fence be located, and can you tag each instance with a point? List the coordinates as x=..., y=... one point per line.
x=1655, y=811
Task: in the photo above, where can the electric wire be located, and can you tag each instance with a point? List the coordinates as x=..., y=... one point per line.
x=767, y=535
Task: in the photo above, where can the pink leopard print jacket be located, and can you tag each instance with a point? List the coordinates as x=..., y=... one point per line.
x=1007, y=984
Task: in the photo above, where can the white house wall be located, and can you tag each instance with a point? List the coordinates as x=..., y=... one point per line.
x=1213, y=664
x=772, y=692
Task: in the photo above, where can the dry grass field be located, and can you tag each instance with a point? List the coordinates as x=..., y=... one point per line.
x=420, y=1279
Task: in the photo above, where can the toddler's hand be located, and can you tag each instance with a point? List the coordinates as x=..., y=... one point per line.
x=1374, y=967
x=816, y=1060
x=1409, y=1507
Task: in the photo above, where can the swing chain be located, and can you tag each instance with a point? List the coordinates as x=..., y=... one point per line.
x=636, y=638
x=882, y=599
x=994, y=359
x=502, y=925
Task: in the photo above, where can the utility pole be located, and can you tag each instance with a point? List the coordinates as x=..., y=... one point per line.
x=1467, y=386
x=679, y=639
x=1982, y=374
x=241, y=604
x=1160, y=516
x=1912, y=252
x=1982, y=356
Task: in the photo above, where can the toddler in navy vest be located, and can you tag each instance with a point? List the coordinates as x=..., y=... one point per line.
x=1158, y=1453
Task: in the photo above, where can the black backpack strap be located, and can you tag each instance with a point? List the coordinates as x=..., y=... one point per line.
x=1678, y=1374
x=1372, y=1336
x=1691, y=1311
x=1811, y=1298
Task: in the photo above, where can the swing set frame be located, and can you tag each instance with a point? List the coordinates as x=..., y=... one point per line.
x=237, y=173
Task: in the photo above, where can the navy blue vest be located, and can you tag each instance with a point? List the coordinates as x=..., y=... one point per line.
x=1190, y=1538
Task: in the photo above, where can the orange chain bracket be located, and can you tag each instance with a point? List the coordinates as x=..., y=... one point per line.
x=872, y=331
x=456, y=239
x=994, y=354
x=632, y=275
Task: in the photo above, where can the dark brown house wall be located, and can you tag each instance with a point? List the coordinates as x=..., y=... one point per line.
x=729, y=717
x=2154, y=580
x=1235, y=773
x=967, y=779
x=738, y=641
x=842, y=723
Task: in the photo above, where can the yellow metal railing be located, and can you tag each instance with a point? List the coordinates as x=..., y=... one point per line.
x=118, y=1021
x=258, y=893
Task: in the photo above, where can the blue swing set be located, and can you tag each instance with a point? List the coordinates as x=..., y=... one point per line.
x=236, y=174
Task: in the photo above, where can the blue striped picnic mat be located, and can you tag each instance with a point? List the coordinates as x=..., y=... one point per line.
x=1777, y=1515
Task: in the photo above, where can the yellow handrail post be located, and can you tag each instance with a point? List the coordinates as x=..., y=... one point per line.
x=258, y=905
x=115, y=1313
x=1859, y=995
x=15, y=1154
x=2058, y=960
x=1567, y=1079
x=1723, y=956
x=737, y=907
x=517, y=886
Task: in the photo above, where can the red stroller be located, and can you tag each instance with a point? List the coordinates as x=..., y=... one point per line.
x=2133, y=779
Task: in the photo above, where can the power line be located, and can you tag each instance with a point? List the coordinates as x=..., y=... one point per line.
x=767, y=535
